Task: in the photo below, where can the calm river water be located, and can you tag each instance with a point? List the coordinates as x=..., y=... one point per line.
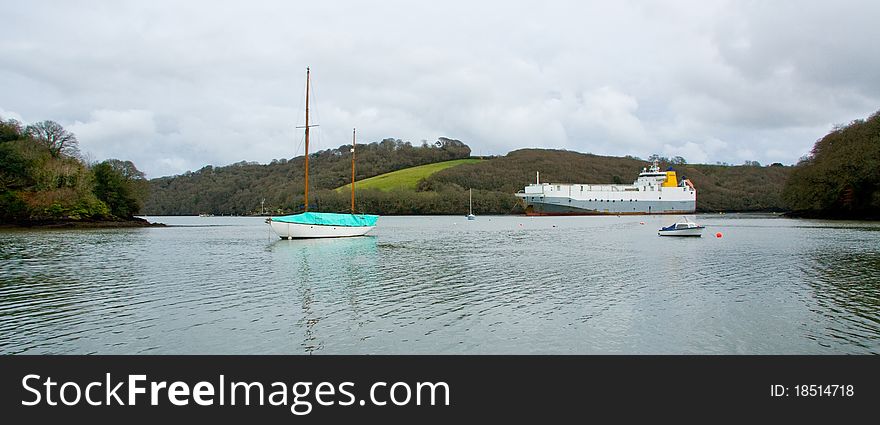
x=433, y=284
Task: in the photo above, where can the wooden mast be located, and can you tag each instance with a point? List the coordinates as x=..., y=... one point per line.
x=307, y=139
x=353, y=133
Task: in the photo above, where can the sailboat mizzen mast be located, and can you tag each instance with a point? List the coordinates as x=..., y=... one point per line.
x=353, y=143
x=308, y=84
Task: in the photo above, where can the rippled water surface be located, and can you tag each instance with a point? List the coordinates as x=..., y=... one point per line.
x=445, y=285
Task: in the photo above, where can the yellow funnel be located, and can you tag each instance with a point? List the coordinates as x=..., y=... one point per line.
x=671, y=181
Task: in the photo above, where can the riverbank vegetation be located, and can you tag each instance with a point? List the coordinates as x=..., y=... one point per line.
x=241, y=188
x=719, y=187
x=840, y=178
x=244, y=188
x=43, y=180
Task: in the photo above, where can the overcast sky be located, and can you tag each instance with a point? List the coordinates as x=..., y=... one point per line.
x=176, y=85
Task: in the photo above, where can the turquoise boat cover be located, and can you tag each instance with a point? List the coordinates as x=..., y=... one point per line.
x=329, y=219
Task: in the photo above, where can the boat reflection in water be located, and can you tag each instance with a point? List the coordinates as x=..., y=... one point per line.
x=330, y=280
x=337, y=252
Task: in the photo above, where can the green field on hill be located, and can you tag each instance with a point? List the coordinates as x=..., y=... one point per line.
x=408, y=178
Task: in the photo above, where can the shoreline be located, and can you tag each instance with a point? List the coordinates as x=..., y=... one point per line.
x=838, y=217
x=501, y=214
x=82, y=224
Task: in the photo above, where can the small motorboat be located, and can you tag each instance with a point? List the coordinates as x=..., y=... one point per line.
x=682, y=228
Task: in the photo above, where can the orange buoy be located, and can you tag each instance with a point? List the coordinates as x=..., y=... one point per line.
x=718, y=235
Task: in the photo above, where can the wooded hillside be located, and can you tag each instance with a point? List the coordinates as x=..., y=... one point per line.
x=43, y=179
x=719, y=187
x=840, y=178
x=239, y=188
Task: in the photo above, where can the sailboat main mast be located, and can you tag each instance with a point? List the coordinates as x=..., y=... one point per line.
x=308, y=83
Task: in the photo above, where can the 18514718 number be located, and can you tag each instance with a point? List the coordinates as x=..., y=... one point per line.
x=819, y=390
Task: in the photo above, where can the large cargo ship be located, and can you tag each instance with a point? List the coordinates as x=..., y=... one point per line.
x=653, y=192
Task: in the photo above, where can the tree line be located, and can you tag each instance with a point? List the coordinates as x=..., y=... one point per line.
x=43, y=178
x=840, y=177
x=244, y=188
x=240, y=189
x=719, y=188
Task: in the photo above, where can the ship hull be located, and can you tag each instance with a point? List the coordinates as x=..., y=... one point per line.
x=533, y=213
x=568, y=206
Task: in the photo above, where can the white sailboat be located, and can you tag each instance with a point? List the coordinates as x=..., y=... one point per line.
x=471, y=215
x=319, y=224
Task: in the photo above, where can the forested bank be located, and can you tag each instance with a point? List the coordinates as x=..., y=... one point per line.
x=719, y=187
x=245, y=188
x=277, y=188
x=43, y=180
x=840, y=178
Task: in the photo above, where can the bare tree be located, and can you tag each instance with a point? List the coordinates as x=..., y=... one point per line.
x=54, y=137
x=129, y=171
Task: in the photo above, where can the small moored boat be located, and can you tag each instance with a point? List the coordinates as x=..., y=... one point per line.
x=682, y=228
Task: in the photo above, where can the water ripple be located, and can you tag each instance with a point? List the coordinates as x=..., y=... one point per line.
x=446, y=285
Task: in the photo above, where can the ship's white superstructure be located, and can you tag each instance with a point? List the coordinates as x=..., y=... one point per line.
x=653, y=192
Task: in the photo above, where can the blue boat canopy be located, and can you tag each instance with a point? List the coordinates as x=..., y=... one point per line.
x=329, y=219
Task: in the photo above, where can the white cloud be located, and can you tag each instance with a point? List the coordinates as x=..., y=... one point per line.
x=6, y=115
x=695, y=152
x=612, y=115
x=174, y=86
x=107, y=126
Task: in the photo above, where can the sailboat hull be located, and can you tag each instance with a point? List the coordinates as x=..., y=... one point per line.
x=300, y=231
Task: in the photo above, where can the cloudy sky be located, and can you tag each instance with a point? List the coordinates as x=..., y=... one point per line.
x=176, y=85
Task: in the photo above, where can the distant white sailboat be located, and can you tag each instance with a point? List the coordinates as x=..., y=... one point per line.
x=471, y=215
x=319, y=224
